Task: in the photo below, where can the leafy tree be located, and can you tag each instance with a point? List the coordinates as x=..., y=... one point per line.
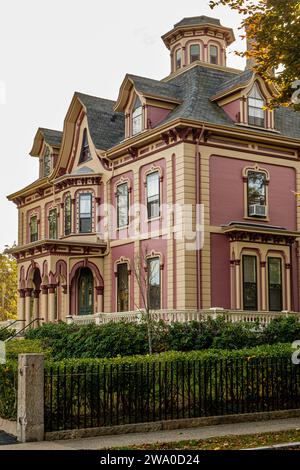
x=273, y=30
x=8, y=287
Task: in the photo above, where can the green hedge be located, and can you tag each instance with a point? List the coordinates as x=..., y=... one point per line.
x=126, y=339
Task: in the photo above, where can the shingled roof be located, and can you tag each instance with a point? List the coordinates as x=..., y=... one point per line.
x=149, y=86
x=51, y=136
x=238, y=80
x=105, y=125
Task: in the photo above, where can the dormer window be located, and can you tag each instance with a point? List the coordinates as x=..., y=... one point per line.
x=256, y=113
x=194, y=52
x=85, y=149
x=47, y=162
x=137, y=117
x=213, y=54
x=178, y=58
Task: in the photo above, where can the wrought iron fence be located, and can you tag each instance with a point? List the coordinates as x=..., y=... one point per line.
x=102, y=395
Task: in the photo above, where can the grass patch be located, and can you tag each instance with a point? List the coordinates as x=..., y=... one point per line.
x=231, y=442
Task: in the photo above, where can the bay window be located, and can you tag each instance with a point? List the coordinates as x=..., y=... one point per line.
x=68, y=215
x=85, y=213
x=250, y=282
x=33, y=229
x=53, y=224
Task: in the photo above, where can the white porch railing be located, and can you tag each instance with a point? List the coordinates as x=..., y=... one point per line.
x=182, y=316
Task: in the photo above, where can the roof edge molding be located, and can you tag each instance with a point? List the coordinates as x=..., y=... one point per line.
x=50, y=136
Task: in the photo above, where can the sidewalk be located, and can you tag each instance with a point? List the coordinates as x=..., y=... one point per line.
x=124, y=440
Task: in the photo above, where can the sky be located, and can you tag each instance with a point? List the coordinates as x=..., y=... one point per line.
x=50, y=49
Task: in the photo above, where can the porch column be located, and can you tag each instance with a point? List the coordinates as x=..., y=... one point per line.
x=288, y=287
x=51, y=302
x=36, y=306
x=237, y=284
x=263, y=285
x=99, y=292
x=27, y=306
x=21, y=305
x=232, y=285
x=44, y=303
x=64, y=312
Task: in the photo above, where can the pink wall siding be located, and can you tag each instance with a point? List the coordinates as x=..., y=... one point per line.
x=220, y=271
x=227, y=192
x=125, y=251
x=232, y=109
x=155, y=115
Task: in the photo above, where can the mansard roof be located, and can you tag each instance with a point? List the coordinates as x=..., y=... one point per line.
x=105, y=125
x=238, y=81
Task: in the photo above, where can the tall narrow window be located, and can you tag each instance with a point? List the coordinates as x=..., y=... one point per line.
x=153, y=195
x=213, y=54
x=85, y=154
x=275, y=284
x=122, y=205
x=33, y=229
x=85, y=213
x=194, y=52
x=154, y=283
x=68, y=215
x=137, y=117
x=53, y=224
x=256, y=194
x=178, y=58
x=122, y=288
x=256, y=113
x=47, y=162
x=249, y=282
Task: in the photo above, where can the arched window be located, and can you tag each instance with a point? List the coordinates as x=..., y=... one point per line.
x=68, y=215
x=178, y=59
x=137, y=117
x=122, y=205
x=154, y=283
x=122, y=287
x=85, y=154
x=194, y=52
x=257, y=200
x=213, y=54
x=256, y=113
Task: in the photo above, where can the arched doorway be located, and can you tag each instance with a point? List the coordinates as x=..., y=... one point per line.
x=85, y=292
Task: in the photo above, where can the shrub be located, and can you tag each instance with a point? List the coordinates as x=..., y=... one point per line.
x=8, y=390
x=125, y=339
x=19, y=346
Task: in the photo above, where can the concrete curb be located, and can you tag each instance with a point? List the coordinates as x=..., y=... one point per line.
x=170, y=425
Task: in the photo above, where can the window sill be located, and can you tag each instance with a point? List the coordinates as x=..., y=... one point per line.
x=125, y=227
x=261, y=219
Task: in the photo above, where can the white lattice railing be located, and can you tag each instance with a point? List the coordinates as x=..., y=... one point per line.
x=182, y=316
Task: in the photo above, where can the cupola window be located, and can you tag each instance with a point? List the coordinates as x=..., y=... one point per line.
x=178, y=59
x=213, y=55
x=194, y=52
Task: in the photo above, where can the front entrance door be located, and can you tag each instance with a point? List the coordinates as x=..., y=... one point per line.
x=85, y=292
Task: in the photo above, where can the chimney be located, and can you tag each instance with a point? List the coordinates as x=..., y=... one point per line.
x=250, y=62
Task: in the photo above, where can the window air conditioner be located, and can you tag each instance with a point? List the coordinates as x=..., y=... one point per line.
x=258, y=210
